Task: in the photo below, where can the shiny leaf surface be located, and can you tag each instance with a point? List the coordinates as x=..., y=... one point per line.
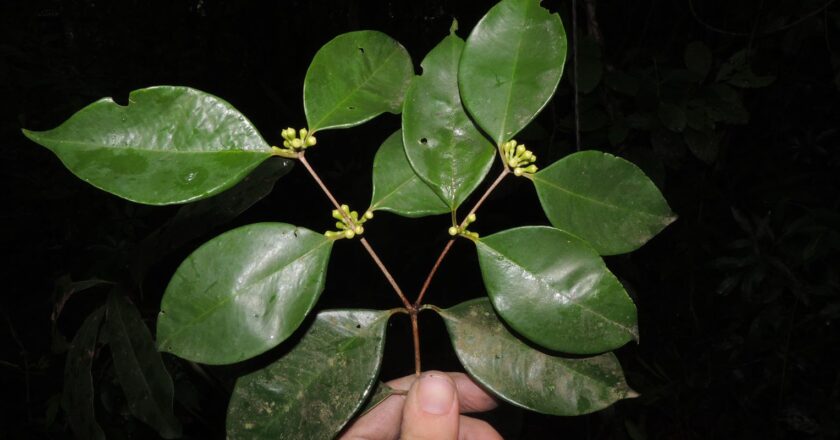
x=314, y=390
x=603, y=199
x=242, y=293
x=526, y=377
x=355, y=77
x=168, y=145
x=511, y=65
x=380, y=393
x=147, y=385
x=397, y=188
x=77, y=399
x=555, y=290
x=441, y=142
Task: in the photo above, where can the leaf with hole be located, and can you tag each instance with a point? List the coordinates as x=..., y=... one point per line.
x=242, y=293
x=526, y=377
x=77, y=398
x=441, y=142
x=168, y=145
x=314, y=390
x=354, y=78
x=147, y=385
x=511, y=65
x=397, y=188
x=606, y=200
x=555, y=290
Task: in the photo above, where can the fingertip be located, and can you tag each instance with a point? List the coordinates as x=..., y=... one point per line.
x=431, y=408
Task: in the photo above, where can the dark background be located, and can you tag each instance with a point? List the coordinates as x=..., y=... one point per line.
x=738, y=300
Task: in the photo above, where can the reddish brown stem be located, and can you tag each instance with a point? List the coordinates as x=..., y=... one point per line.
x=352, y=224
x=449, y=244
x=415, y=333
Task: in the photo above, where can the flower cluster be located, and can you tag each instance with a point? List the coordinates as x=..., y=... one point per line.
x=462, y=230
x=519, y=158
x=345, y=229
x=294, y=141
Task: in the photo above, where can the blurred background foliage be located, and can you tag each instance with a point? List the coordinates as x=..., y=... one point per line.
x=731, y=107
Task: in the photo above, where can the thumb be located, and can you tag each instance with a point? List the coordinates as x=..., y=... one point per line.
x=431, y=409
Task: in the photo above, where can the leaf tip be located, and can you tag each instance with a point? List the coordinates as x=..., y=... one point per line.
x=631, y=394
x=454, y=26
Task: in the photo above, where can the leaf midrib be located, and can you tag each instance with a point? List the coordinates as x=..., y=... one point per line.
x=596, y=201
x=95, y=146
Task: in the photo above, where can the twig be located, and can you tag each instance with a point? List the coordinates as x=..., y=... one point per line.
x=419, y=301
x=351, y=223
x=415, y=333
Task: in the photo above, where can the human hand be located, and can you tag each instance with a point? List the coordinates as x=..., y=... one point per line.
x=431, y=410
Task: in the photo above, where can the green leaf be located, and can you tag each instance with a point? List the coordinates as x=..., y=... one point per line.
x=242, y=293
x=397, y=188
x=698, y=58
x=147, y=385
x=168, y=145
x=511, y=65
x=603, y=199
x=314, y=390
x=526, y=377
x=555, y=290
x=77, y=399
x=443, y=145
x=354, y=78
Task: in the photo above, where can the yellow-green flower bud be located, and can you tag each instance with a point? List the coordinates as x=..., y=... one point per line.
x=531, y=169
x=520, y=149
x=359, y=230
x=369, y=215
x=297, y=143
x=310, y=141
x=346, y=209
x=470, y=218
x=303, y=133
x=287, y=144
x=453, y=231
x=517, y=172
x=340, y=226
x=349, y=234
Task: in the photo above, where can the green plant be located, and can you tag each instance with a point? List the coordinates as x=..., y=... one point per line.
x=249, y=289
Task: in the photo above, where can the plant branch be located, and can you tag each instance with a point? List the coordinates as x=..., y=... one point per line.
x=419, y=301
x=415, y=333
x=302, y=158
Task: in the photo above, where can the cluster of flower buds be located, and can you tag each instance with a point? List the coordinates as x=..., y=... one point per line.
x=462, y=230
x=295, y=141
x=345, y=229
x=519, y=158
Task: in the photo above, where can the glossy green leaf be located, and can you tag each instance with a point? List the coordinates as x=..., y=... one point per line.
x=511, y=65
x=382, y=392
x=397, y=188
x=147, y=385
x=526, y=377
x=314, y=390
x=242, y=293
x=168, y=145
x=77, y=399
x=555, y=290
x=603, y=199
x=441, y=142
x=354, y=78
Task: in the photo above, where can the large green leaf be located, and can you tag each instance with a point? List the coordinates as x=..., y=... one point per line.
x=555, y=290
x=526, y=377
x=77, y=399
x=354, y=78
x=443, y=145
x=397, y=188
x=511, y=65
x=168, y=145
x=311, y=392
x=603, y=199
x=242, y=293
x=146, y=383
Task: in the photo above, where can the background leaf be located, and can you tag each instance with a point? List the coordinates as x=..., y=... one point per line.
x=603, y=199
x=311, y=392
x=511, y=64
x=147, y=385
x=555, y=290
x=354, y=78
x=77, y=399
x=526, y=377
x=397, y=188
x=698, y=58
x=443, y=145
x=168, y=145
x=243, y=292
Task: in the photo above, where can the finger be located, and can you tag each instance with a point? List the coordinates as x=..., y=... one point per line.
x=431, y=409
x=471, y=397
x=474, y=429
